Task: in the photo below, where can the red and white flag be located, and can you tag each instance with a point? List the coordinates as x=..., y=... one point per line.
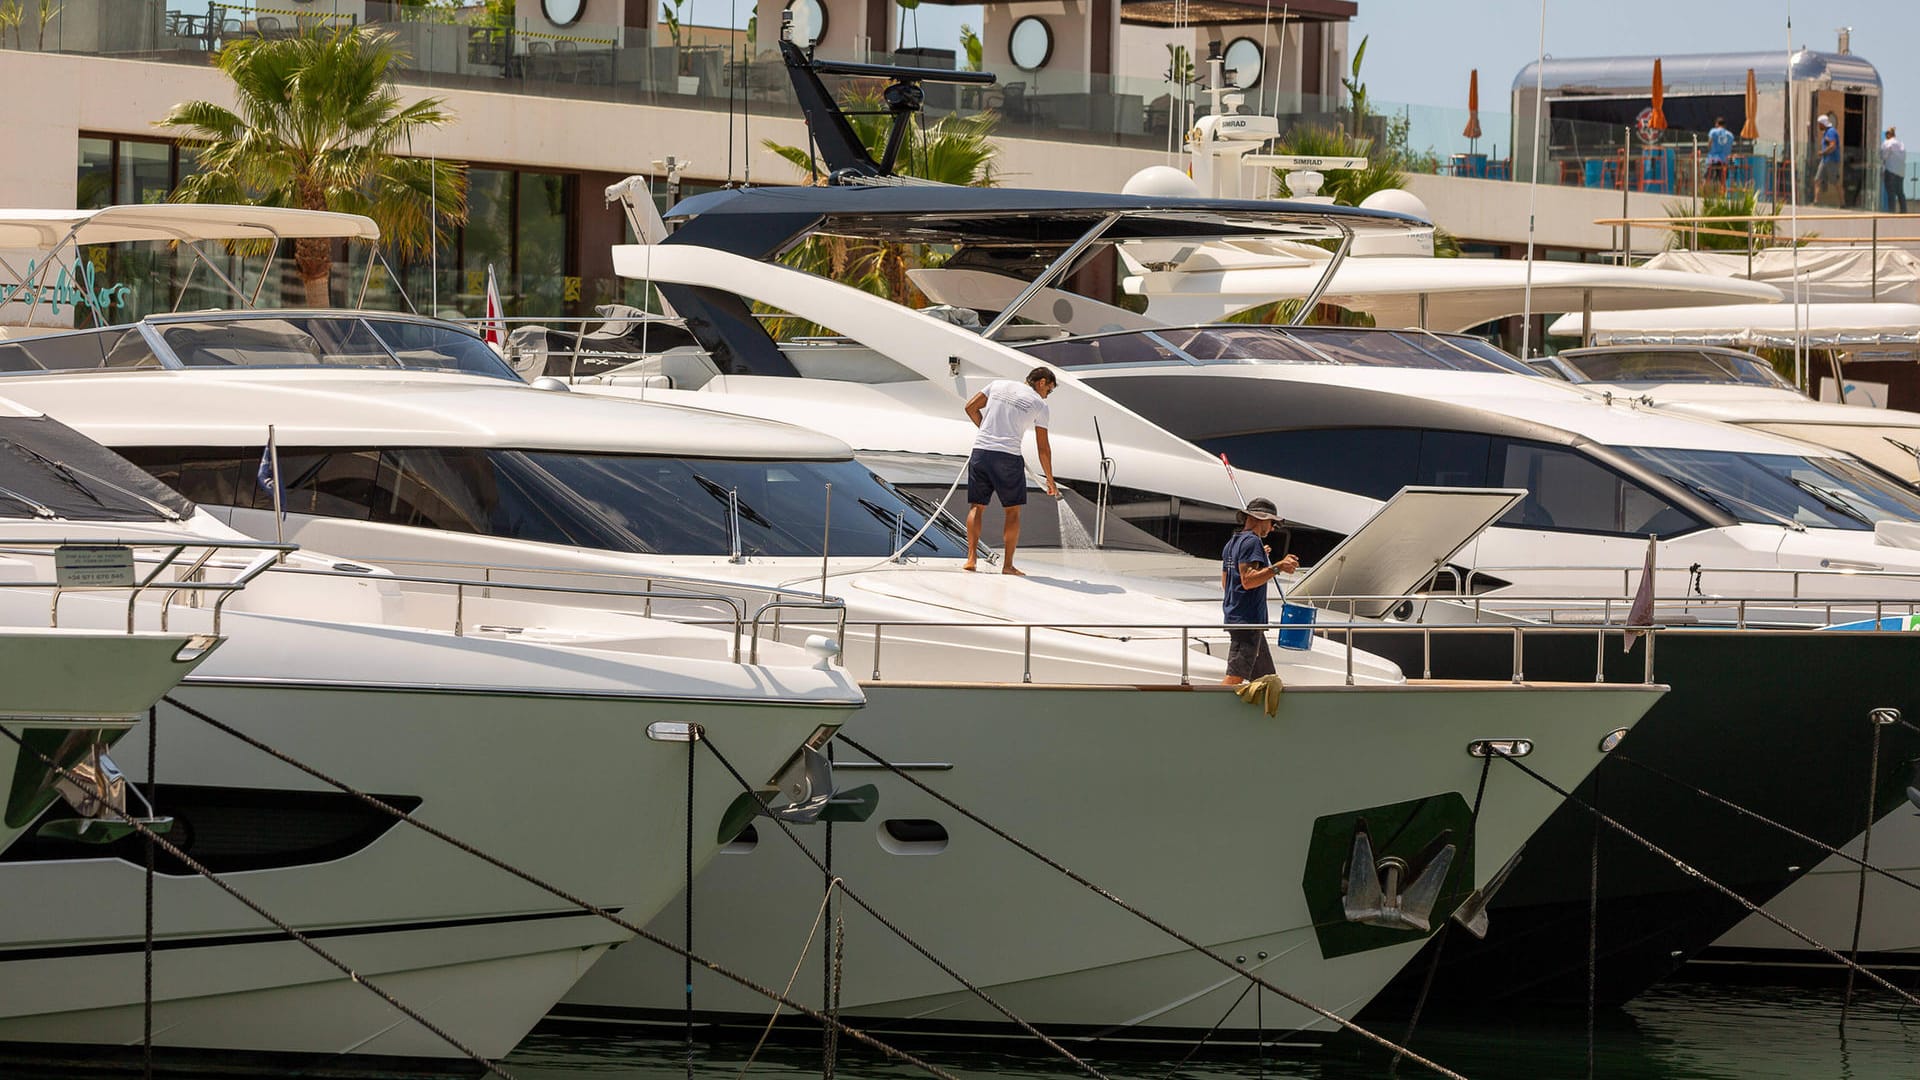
x=1641, y=613
x=493, y=326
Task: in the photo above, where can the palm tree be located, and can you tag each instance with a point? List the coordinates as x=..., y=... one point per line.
x=316, y=126
x=955, y=149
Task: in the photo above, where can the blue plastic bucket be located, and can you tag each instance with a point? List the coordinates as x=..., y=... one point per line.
x=1298, y=621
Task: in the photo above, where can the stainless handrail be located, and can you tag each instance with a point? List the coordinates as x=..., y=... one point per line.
x=646, y=576
x=1796, y=573
x=1345, y=631
x=168, y=552
x=460, y=585
x=817, y=604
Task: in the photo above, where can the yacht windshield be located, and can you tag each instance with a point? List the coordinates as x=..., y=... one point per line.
x=1718, y=366
x=253, y=341
x=612, y=502
x=331, y=341
x=48, y=470
x=1233, y=344
x=1779, y=489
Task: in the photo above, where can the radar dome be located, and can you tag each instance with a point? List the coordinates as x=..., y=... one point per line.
x=1398, y=201
x=1416, y=241
x=1162, y=181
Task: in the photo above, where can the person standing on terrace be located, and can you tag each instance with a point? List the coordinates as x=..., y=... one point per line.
x=1719, y=151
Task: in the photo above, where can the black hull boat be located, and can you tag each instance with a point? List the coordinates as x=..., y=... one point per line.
x=1777, y=722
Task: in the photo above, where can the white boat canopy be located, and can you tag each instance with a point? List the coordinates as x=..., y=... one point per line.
x=1754, y=326
x=1827, y=275
x=49, y=230
x=1439, y=294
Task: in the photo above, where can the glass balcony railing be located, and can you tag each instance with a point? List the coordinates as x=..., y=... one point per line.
x=717, y=68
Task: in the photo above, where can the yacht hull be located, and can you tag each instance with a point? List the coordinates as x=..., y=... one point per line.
x=568, y=787
x=1188, y=803
x=1776, y=722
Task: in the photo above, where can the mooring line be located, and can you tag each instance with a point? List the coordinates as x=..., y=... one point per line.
x=805, y=947
x=1439, y=941
x=1866, y=852
x=146, y=959
x=846, y=891
x=1222, y=960
x=553, y=890
x=1824, y=848
x=1691, y=871
x=154, y=838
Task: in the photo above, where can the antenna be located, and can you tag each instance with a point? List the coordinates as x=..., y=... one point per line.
x=1533, y=182
x=847, y=157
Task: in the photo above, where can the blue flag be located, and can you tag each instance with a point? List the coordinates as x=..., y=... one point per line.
x=269, y=482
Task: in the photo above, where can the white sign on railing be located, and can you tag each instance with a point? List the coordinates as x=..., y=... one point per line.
x=77, y=566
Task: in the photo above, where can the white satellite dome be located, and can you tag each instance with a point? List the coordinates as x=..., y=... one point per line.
x=1162, y=181
x=1397, y=201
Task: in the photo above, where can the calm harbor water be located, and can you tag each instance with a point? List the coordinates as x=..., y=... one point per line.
x=1685, y=1031
x=1682, y=1031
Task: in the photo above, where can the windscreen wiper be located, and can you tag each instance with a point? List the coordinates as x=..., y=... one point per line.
x=1830, y=499
x=39, y=508
x=1721, y=498
x=72, y=475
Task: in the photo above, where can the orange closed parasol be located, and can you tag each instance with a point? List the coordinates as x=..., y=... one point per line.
x=1473, y=106
x=1747, y=130
x=1657, y=121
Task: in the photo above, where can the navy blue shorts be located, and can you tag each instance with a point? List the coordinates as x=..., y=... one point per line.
x=994, y=472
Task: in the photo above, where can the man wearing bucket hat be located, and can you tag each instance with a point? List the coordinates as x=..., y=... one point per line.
x=1246, y=566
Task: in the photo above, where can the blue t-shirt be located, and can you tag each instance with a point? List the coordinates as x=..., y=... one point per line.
x=1244, y=605
x=1719, y=145
x=1830, y=145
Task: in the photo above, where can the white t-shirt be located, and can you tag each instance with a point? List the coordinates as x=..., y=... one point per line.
x=1893, y=156
x=1013, y=409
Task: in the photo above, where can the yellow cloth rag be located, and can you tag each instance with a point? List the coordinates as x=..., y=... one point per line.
x=1263, y=691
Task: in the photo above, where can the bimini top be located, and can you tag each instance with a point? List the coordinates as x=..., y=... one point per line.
x=1698, y=73
x=756, y=222
x=48, y=230
x=1754, y=326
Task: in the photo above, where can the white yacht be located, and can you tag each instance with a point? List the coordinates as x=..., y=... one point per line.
x=544, y=735
x=1046, y=702
x=1733, y=387
x=1330, y=422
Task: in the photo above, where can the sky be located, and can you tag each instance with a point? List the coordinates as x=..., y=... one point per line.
x=1421, y=50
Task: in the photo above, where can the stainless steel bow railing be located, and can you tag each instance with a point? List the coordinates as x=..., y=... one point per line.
x=159, y=557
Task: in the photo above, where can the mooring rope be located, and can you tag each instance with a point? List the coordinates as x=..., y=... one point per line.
x=554, y=890
x=686, y=962
x=1209, y=1033
x=146, y=959
x=1825, y=848
x=914, y=944
x=805, y=947
x=154, y=838
x=1691, y=871
x=1070, y=874
x=1866, y=852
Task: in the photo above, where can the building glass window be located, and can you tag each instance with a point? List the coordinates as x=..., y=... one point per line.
x=95, y=187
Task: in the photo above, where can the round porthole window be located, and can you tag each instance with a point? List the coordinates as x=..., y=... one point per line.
x=809, y=22
x=563, y=12
x=1031, y=44
x=1243, y=62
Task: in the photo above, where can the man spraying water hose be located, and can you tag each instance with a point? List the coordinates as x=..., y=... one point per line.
x=1004, y=412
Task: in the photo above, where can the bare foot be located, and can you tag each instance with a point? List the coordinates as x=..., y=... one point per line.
x=968, y=566
x=1015, y=573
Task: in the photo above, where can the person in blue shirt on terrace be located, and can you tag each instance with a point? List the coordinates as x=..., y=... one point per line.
x=1829, y=170
x=1246, y=566
x=1719, y=152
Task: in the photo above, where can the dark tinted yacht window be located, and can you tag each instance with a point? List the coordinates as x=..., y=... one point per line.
x=1566, y=490
x=87, y=350
x=614, y=502
x=1137, y=348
